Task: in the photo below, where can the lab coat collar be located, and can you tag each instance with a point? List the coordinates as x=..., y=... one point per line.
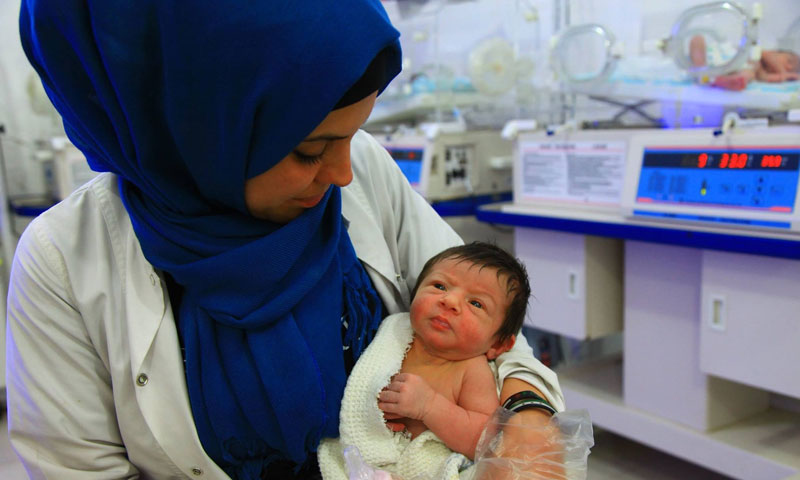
x=146, y=294
x=366, y=233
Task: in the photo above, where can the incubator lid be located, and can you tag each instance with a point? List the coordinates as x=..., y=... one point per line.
x=791, y=39
x=584, y=54
x=712, y=39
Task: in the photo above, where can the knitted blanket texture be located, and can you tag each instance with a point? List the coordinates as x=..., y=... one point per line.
x=361, y=422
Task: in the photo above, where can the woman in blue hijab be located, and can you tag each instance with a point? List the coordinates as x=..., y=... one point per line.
x=221, y=235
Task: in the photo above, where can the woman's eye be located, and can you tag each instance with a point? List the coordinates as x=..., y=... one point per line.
x=307, y=159
x=476, y=304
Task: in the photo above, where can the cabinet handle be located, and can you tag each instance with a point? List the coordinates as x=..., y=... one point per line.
x=716, y=317
x=572, y=285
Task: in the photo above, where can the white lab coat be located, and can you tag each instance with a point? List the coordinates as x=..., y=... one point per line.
x=96, y=387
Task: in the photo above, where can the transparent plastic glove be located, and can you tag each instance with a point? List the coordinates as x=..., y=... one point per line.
x=357, y=468
x=513, y=448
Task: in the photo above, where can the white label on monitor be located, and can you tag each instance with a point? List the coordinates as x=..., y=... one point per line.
x=582, y=172
x=457, y=165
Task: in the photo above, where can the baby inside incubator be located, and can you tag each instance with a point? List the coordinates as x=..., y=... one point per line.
x=774, y=66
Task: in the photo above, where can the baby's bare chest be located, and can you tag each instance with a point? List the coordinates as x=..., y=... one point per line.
x=447, y=381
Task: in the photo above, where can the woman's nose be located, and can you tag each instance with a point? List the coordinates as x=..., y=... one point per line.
x=336, y=168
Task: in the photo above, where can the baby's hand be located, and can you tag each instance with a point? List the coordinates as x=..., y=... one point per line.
x=407, y=395
x=393, y=422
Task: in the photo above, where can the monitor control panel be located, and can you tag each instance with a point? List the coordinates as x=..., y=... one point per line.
x=745, y=179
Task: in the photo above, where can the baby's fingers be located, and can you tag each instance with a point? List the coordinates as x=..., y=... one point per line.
x=395, y=426
x=389, y=408
x=388, y=396
x=394, y=386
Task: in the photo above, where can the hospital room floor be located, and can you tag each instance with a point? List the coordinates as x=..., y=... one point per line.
x=613, y=457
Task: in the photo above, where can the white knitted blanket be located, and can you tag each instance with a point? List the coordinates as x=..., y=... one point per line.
x=361, y=421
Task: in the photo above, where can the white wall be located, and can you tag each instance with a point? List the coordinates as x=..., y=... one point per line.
x=23, y=126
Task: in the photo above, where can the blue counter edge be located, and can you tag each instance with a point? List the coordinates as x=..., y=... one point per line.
x=770, y=247
x=468, y=205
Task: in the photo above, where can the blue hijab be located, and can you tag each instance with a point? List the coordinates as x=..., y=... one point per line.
x=184, y=101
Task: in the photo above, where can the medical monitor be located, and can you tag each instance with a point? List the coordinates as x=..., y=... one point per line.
x=578, y=170
x=409, y=159
x=744, y=179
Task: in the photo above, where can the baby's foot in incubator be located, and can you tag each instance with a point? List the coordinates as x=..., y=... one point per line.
x=734, y=81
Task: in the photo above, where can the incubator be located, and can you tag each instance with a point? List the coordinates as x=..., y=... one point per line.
x=704, y=41
x=479, y=57
x=714, y=39
x=448, y=166
x=584, y=54
x=677, y=55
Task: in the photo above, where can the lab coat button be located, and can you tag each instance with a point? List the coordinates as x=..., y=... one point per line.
x=197, y=471
x=142, y=380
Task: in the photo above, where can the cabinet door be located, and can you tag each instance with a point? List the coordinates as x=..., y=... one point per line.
x=576, y=282
x=750, y=328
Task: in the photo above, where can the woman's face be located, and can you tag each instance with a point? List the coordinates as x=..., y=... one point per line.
x=300, y=179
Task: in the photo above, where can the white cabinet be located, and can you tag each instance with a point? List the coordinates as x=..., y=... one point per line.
x=576, y=282
x=708, y=337
x=662, y=345
x=750, y=329
x=710, y=364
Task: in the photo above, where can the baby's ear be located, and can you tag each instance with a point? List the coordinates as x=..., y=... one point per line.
x=500, y=347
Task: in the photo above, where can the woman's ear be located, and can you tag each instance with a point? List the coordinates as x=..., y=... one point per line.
x=500, y=347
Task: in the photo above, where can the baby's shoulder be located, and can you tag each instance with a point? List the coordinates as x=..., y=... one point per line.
x=475, y=366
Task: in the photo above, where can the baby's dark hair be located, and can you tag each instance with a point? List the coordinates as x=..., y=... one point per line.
x=487, y=255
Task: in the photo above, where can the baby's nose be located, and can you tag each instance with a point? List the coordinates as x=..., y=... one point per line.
x=450, y=300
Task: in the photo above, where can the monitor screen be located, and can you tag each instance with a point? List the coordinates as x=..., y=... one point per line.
x=410, y=162
x=742, y=178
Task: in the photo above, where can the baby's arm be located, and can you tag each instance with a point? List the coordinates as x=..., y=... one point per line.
x=460, y=425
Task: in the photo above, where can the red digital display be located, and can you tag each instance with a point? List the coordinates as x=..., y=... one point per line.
x=715, y=160
x=738, y=161
x=772, y=161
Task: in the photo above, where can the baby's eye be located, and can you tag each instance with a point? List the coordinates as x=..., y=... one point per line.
x=439, y=286
x=476, y=304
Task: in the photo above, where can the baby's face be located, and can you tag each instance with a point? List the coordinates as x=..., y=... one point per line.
x=458, y=309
